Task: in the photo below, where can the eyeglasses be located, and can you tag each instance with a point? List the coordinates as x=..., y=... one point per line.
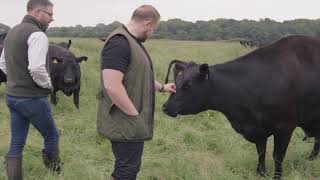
x=48, y=13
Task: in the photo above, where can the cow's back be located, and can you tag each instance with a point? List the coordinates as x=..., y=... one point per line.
x=276, y=84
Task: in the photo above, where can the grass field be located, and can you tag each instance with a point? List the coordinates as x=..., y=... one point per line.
x=201, y=147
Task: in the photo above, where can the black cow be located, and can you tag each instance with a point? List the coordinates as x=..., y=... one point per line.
x=249, y=43
x=243, y=43
x=64, y=44
x=3, y=32
x=2, y=37
x=3, y=77
x=269, y=91
x=65, y=71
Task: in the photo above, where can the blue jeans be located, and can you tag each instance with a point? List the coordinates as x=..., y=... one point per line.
x=36, y=111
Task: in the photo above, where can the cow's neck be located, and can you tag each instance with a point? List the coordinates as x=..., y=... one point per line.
x=224, y=85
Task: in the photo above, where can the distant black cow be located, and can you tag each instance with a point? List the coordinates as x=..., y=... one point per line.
x=249, y=43
x=243, y=43
x=269, y=91
x=253, y=44
x=65, y=71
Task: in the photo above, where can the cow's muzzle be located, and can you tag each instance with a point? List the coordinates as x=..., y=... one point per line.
x=68, y=80
x=164, y=108
x=167, y=111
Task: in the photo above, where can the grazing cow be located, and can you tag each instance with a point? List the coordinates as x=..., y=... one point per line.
x=243, y=43
x=65, y=71
x=249, y=43
x=253, y=44
x=269, y=91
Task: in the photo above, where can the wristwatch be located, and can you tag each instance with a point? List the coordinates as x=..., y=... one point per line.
x=162, y=88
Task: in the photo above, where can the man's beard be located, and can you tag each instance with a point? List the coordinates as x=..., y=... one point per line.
x=143, y=38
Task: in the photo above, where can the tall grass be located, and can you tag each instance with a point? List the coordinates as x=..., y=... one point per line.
x=200, y=147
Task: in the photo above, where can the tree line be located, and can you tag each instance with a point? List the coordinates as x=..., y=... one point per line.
x=261, y=31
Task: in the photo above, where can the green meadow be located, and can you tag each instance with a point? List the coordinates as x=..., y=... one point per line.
x=197, y=147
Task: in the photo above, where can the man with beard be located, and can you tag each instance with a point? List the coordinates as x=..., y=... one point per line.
x=24, y=61
x=126, y=101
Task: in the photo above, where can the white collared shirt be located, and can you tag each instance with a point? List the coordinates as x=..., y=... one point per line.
x=37, y=54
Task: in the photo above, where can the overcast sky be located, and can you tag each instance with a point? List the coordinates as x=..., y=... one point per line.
x=92, y=12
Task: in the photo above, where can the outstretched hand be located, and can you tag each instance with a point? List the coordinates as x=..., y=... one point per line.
x=170, y=87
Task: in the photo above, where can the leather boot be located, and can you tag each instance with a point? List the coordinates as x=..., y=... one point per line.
x=14, y=167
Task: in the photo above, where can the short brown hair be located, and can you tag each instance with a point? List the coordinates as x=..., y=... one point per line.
x=146, y=12
x=38, y=3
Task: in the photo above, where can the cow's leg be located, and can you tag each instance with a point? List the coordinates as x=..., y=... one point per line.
x=54, y=97
x=76, y=97
x=281, y=141
x=261, y=149
x=316, y=149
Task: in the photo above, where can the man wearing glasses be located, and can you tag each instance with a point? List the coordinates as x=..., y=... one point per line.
x=24, y=60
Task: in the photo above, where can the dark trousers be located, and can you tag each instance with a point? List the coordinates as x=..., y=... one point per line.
x=36, y=111
x=128, y=159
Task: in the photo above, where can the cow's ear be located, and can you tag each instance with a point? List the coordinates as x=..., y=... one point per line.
x=179, y=66
x=178, y=70
x=56, y=60
x=204, y=71
x=103, y=39
x=82, y=58
x=69, y=43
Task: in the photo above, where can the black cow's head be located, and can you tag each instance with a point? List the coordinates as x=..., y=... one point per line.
x=65, y=69
x=192, y=85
